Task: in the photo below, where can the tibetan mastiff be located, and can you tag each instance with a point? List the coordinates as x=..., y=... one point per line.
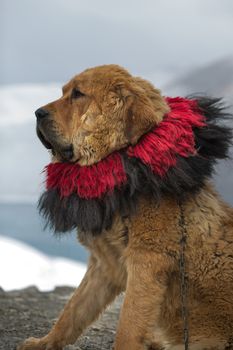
x=131, y=171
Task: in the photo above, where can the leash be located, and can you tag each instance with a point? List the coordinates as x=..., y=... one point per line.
x=183, y=277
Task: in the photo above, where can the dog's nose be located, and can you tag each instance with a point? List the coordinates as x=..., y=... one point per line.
x=41, y=113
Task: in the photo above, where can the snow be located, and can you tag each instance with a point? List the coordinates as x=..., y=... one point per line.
x=21, y=151
x=18, y=102
x=22, y=266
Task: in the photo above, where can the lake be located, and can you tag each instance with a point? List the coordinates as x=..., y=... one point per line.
x=22, y=222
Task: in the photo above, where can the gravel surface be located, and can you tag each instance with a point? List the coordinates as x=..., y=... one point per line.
x=29, y=312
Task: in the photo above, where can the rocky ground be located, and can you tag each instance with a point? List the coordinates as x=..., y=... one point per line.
x=29, y=312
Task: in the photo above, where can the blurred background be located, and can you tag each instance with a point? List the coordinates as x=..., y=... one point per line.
x=181, y=46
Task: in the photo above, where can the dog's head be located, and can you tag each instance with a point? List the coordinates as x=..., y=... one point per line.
x=102, y=110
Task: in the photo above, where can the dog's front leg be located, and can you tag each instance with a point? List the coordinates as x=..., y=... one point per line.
x=95, y=292
x=138, y=327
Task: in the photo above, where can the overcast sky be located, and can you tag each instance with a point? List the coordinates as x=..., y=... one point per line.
x=51, y=40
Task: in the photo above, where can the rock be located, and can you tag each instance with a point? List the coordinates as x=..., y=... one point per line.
x=29, y=312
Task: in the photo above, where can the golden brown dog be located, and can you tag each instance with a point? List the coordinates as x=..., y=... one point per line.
x=102, y=110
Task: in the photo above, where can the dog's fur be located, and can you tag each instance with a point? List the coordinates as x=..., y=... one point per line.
x=102, y=110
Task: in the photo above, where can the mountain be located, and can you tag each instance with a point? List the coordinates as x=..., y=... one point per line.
x=214, y=79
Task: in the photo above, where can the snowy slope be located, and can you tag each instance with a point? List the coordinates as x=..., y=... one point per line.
x=18, y=102
x=22, y=155
x=22, y=266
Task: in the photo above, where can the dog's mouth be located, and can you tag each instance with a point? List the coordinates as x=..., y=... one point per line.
x=43, y=140
x=61, y=152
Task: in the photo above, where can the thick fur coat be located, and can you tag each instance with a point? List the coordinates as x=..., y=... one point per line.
x=133, y=232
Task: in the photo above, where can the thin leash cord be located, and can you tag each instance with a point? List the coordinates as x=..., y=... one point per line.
x=183, y=277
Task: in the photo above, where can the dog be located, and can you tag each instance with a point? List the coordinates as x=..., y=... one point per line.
x=144, y=206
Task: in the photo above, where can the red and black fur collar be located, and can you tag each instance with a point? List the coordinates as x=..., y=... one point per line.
x=176, y=157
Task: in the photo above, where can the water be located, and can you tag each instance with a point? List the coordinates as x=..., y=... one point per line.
x=22, y=222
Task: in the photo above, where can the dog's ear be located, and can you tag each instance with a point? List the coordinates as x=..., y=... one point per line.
x=146, y=108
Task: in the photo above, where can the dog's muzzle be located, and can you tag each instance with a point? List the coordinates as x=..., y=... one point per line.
x=47, y=135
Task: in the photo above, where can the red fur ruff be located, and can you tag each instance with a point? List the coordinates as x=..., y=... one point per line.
x=158, y=149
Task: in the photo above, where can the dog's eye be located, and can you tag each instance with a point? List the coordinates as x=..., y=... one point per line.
x=76, y=94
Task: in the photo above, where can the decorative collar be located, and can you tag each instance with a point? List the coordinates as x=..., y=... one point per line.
x=175, y=157
x=158, y=150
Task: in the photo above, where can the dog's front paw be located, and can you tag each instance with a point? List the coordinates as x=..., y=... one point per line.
x=31, y=344
x=38, y=344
